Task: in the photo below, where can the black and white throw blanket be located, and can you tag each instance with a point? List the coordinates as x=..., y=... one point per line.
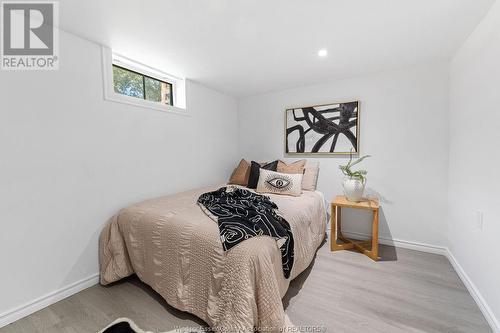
x=242, y=214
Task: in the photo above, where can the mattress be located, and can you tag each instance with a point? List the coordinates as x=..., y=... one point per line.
x=174, y=247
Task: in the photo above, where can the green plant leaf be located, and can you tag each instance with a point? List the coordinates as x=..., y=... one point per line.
x=359, y=174
x=359, y=160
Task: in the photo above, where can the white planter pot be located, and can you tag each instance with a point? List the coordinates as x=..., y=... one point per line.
x=353, y=189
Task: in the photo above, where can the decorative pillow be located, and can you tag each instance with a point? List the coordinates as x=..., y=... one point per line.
x=241, y=174
x=255, y=172
x=295, y=167
x=310, y=179
x=280, y=183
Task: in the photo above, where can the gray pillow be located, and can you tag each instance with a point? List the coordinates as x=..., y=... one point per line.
x=310, y=179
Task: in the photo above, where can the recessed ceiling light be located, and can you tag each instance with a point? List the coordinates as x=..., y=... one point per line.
x=322, y=53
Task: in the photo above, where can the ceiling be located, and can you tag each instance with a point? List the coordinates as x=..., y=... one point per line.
x=245, y=47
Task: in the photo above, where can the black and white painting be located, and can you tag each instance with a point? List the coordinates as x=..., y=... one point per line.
x=323, y=129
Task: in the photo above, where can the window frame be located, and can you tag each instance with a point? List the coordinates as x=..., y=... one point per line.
x=178, y=84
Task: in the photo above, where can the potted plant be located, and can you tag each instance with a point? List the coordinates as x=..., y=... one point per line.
x=354, y=181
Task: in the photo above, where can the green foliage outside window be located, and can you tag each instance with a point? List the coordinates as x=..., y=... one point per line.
x=153, y=89
x=127, y=82
x=130, y=83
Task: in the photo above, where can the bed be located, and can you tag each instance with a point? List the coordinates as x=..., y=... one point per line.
x=174, y=247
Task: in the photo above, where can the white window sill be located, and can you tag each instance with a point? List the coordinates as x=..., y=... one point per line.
x=119, y=98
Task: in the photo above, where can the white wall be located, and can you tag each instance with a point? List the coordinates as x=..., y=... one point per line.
x=69, y=160
x=404, y=125
x=475, y=160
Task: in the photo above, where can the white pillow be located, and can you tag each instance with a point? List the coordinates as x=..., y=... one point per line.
x=279, y=183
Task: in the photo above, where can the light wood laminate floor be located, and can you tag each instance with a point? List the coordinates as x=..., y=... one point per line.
x=407, y=291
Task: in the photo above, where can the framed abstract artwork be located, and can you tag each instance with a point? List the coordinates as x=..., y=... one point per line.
x=322, y=129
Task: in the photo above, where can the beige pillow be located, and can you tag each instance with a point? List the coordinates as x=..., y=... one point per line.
x=310, y=179
x=279, y=183
x=241, y=173
x=295, y=167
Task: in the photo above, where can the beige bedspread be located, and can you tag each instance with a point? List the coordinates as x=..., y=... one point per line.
x=175, y=248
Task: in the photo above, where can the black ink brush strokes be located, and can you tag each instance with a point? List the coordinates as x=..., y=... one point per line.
x=322, y=123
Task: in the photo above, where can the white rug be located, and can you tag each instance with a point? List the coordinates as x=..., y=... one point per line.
x=125, y=325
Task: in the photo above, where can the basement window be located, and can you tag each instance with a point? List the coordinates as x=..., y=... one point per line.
x=131, y=82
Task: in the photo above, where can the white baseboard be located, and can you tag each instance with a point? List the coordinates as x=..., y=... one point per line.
x=44, y=301
x=422, y=247
x=471, y=287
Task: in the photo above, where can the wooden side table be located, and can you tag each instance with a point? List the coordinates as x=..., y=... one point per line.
x=336, y=230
